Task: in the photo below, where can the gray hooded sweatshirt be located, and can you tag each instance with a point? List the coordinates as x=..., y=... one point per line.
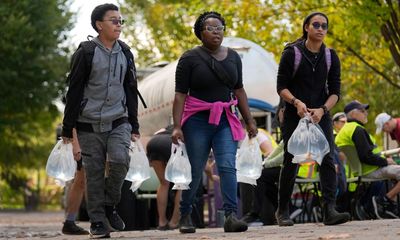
x=104, y=98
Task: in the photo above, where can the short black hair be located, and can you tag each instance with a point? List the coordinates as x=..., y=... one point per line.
x=99, y=12
x=199, y=24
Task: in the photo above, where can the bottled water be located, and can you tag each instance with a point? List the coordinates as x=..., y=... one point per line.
x=61, y=164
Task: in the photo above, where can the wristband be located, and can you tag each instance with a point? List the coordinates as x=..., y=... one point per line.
x=293, y=100
x=325, y=109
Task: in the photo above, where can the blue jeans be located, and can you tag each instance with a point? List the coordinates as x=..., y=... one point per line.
x=200, y=138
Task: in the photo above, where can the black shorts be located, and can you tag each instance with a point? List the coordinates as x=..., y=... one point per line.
x=159, y=148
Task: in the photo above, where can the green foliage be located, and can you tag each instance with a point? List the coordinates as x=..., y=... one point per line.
x=369, y=70
x=18, y=184
x=32, y=73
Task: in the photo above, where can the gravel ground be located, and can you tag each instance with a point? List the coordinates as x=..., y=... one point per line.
x=47, y=225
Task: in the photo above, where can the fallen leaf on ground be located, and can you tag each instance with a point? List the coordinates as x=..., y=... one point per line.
x=335, y=236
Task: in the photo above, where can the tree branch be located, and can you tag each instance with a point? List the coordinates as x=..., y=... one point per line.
x=394, y=16
x=388, y=36
x=362, y=59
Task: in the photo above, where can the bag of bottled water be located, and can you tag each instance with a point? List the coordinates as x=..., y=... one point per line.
x=139, y=168
x=299, y=142
x=249, y=161
x=319, y=146
x=61, y=164
x=308, y=142
x=178, y=169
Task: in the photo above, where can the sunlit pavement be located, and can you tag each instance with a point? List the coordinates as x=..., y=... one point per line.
x=47, y=225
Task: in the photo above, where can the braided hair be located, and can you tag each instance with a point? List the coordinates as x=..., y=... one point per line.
x=199, y=24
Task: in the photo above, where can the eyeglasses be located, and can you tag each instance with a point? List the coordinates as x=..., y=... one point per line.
x=116, y=21
x=214, y=28
x=317, y=25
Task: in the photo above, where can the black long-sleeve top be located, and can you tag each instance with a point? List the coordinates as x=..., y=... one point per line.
x=365, y=147
x=309, y=84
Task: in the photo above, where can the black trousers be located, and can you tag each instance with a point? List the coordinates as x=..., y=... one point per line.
x=262, y=200
x=327, y=172
x=267, y=188
x=266, y=195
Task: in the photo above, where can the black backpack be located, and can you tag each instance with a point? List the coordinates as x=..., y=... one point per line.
x=88, y=49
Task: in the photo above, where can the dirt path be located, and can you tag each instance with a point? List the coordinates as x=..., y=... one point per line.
x=47, y=225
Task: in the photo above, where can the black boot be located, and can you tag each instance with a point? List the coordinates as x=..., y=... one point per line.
x=186, y=224
x=232, y=224
x=283, y=218
x=332, y=217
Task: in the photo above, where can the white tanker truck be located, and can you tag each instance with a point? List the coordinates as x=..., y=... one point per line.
x=259, y=79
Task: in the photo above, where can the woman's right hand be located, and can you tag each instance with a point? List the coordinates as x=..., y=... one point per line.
x=177, y=134
x=301, y=108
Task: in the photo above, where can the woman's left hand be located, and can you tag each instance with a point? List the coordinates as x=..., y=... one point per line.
x=316, y=114
x=252, y=129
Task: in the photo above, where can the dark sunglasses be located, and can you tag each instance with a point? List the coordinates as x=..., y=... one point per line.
x=317, y=25
x=116, y=21
x=214, y=28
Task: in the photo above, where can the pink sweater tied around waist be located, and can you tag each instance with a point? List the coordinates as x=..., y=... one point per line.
x=194, y=105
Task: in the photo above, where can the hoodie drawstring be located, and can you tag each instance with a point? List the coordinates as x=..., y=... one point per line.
x=115, y=64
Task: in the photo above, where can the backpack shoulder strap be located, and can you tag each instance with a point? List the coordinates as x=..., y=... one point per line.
x=125, y=48
x=297, y=59
x=328, y=58
x=88, y=50
x=129, y=57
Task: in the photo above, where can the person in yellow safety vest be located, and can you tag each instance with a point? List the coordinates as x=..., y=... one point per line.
x=374, y=165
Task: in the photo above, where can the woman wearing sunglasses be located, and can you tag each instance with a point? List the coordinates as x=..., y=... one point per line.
x=314, y=89
x=205, y=115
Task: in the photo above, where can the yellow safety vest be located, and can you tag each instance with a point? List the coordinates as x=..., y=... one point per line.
x=344, y=138
x=307, y=170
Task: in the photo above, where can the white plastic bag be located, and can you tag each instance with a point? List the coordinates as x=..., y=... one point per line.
x=244, y=179
x=139, y=168
x=299, y=142
x=61, y=164
x=249, y=161
x=308, y=142
x=178, y=169
x=319, y=146
x=136, y=185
